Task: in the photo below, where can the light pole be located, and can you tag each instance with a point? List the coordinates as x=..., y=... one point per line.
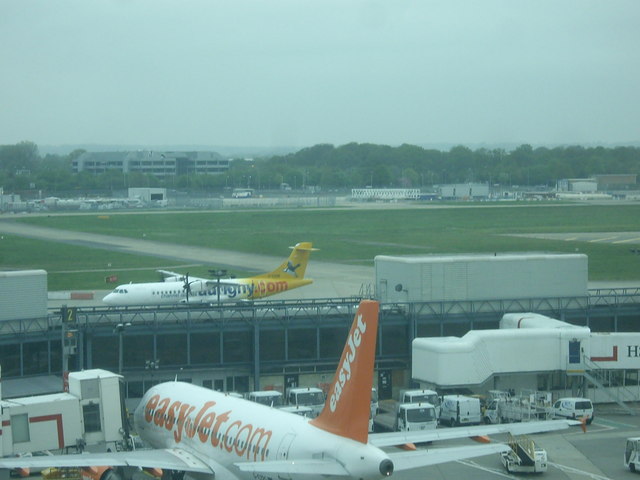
x=152, y=365
x=119, y=329
x=218, y=273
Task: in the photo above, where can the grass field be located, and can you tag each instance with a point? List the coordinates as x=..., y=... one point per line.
x=353, y=236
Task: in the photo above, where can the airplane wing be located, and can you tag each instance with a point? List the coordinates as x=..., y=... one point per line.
x=171, y=459
x=401, y=461
x=423, y=458
x=300, y=467
x=400, y=438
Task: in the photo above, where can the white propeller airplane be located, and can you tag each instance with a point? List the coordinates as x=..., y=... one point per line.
x=178, y=288
x=208, y=434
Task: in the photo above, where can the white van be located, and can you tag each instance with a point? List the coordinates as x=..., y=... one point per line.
x=460, y=410
x=573, y=408
x=270, y=398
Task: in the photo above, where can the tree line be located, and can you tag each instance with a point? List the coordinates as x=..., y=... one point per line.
x=329, y=167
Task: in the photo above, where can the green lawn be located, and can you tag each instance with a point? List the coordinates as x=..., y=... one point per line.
x=353, y=236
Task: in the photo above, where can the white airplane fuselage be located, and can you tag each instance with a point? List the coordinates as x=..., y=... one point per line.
x=171, y=293
x=228, y=430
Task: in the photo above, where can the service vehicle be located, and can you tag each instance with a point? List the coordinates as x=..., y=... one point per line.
x=375, y=404
x=421, y=396
x=573, y=408
x=416, y=416
x=526, y=407
x=524, y=456
x=270, y=398
x=457, y=410
x=311, y=397
x=632, y=454
x=306, y=412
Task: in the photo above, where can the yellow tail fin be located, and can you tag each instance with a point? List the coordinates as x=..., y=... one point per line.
x=295, y=266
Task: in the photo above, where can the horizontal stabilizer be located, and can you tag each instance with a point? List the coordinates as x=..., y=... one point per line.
x=299, y=467
x=421, y=458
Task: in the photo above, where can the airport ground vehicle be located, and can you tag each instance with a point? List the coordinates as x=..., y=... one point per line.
x=311, y=397
x=573, y=408
x=407, y=417
x=632, y=454
x=421, y=396
x=270, y=398
x=458, y=410
x=306, y=412
x=526, y=407
x=524, y=456
x=416, y=416
x=375, y=404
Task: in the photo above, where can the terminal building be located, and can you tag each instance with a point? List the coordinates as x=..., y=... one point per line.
x=532, y=352
x=277, y=344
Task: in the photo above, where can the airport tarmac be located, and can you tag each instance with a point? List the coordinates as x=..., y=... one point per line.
x=572, y=454
x=616, y=238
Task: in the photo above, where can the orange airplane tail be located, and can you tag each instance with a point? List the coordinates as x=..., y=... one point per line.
x=346, y=410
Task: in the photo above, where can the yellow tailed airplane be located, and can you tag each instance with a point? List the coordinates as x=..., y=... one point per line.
x=177, y=288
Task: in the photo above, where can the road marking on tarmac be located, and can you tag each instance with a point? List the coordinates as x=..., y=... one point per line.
x=603, y=239
x=629, y=240
x=567, y=469
x=472, y=464
x=611, y=425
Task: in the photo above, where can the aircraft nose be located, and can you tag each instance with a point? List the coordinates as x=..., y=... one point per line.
x=108, y=299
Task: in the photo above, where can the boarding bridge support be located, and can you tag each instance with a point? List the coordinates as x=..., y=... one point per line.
x=593, y=373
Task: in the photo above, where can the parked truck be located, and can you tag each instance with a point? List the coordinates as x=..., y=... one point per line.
x=270, y=398
x=311, y=397
x=416, y=416
x=526, y=407
x=406, y=417
x=421, y=396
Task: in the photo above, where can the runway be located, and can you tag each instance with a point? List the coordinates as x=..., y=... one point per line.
x=615, y=238
x=330, y=279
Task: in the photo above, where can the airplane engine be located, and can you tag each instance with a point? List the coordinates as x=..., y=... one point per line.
x=110, y=474
x=100, y=473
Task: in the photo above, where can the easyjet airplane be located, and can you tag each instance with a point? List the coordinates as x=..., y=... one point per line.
x=208, y=434
x=178, y=288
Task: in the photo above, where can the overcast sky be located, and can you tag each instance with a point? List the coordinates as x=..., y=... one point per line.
x=300, y=72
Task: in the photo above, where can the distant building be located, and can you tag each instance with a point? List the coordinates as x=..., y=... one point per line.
x=159, y=164
x=387, y=194
x=464, y=191
x=148, y=195
x=620, y=181
x=577, y=185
